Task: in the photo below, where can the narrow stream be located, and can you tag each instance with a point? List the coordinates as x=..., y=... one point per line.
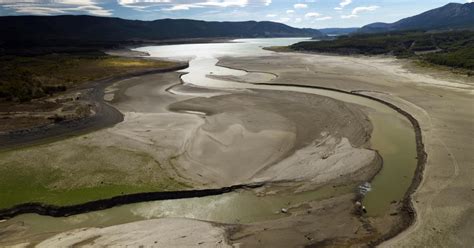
x=393, y=137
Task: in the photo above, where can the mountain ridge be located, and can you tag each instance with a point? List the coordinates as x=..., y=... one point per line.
x=338, y=31
x=92, y=28
x=448, y=17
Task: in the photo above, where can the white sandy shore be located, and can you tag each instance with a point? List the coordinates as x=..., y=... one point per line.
x=151, y=233
x=320, y=162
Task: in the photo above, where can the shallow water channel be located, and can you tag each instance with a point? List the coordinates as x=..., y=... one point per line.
x=393, y=137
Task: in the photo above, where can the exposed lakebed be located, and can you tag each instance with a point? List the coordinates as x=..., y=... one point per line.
x=393, y=137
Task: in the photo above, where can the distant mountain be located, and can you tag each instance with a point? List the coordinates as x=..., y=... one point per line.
x=448, y=17
x=52, y=29
x=338, y=31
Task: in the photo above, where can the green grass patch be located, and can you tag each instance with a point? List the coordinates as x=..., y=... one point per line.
x=23, y=186
x=79, y=173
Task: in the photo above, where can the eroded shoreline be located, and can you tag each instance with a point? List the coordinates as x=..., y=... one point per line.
x=120, y=106
x=64, y=211
x=421, y=142
x=440, y=101
x=408, y=210
x=105, y=116
x=56, y=211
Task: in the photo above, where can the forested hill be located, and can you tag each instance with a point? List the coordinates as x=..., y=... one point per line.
x=44, y=29
x=449, y=17
x=453, y=48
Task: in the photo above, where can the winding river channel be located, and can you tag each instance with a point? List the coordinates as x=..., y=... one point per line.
x=393, y=137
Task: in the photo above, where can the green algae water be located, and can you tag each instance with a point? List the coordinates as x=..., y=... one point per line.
x=394, y=139
x=236, y=207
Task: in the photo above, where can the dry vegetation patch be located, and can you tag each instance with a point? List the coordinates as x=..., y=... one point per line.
x=25, y=78
x=32, y=88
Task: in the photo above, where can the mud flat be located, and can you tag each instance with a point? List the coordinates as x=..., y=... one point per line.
x=441, y=102
x=308, y=150
x=277, y=125
x=102, y=164
x=163, y=135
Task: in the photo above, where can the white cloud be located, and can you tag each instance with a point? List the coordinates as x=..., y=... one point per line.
x=358, y=10
x=44, y=7
x=188, y=4
x=315, y=16
x=348, y=16
x=271, y=15
x=290, y=11
x=298, y=20
x=300, y=6
x=181, y=7
x=470, y=1
x=324, y=18
x=343, y=4
x=223, y=3
x=312, y=15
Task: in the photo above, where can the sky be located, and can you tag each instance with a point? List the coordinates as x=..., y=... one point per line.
x=297, y=13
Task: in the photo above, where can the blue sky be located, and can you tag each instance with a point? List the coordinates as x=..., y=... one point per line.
x=298, y=13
